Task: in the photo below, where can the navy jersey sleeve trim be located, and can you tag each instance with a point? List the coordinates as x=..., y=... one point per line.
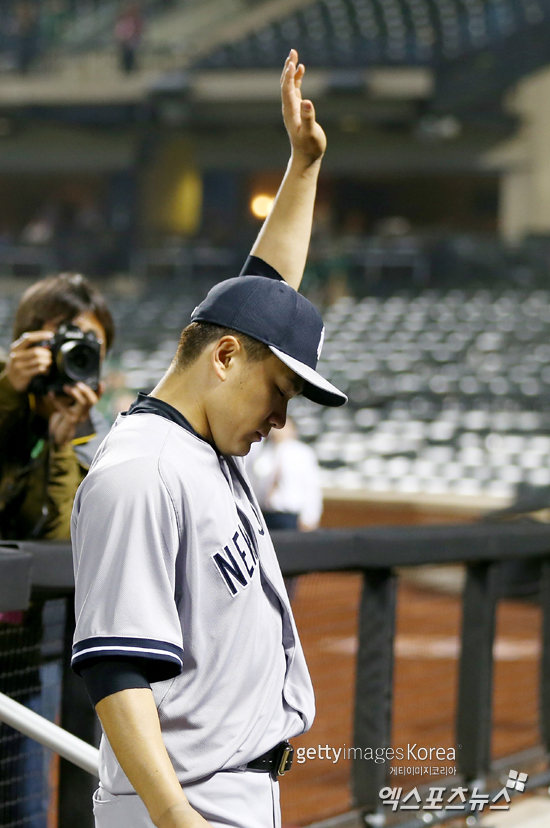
x=254, y=266
x=103, y=678
x=92, y=649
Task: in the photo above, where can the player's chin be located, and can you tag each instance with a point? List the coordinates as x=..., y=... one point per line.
x=245, y=444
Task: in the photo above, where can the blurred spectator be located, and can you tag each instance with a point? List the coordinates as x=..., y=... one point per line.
x=39, y=230
x=393, y=227
x=80, y=235
x=353, y=232
x=128, y=33
x=26, y=34
x=285, y=478
x=54, y=18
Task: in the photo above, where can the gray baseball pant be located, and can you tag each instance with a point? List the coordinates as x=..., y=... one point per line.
x=227, y=799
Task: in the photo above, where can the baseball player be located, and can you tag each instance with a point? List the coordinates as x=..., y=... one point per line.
x=184, y=635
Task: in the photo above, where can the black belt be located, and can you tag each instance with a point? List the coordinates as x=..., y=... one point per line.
x=277, y=761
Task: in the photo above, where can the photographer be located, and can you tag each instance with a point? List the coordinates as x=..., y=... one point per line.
x=49, y=432
x=47, y=437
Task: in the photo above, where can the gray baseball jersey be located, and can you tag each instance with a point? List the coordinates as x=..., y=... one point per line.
x=174, y=564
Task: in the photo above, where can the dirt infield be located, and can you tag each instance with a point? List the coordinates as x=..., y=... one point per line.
x=425, y=681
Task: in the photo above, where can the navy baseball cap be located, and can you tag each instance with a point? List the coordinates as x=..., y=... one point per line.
x=274, y=313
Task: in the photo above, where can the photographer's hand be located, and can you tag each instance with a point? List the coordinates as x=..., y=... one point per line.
x=27, y=359
x=69, y=413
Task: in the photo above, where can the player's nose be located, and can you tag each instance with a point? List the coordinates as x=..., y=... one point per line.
x=278, y=417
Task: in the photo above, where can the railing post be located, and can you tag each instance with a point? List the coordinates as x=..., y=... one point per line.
x=78, y=717
x=544, y=712
x=474, y=714
x=374, y=684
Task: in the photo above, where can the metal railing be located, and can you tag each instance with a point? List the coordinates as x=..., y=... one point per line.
x=375, y=552
x=50, y=735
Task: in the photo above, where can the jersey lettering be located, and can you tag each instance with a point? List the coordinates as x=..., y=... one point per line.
x=234, y=574
x=250, y=545
x=242, y=553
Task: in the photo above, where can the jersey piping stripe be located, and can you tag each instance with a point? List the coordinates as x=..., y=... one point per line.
x=146, y=648
x=160, y=653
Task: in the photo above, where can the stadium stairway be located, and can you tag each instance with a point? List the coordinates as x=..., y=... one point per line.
x=83, y=67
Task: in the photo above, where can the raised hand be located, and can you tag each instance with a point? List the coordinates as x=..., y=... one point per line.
x=307, y=137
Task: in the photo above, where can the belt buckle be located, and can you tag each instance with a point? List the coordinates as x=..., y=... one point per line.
x=285, y=760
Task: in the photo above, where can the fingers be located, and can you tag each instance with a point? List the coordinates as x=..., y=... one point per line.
x=307, y=111
x=307, y=137
x=24, y=364
x=292, y=58
x=291, y=89
x=291, y=78
x=291, y=99
x=298, y=77
x=287, y=80
x=28, y=339
x=56, y=403
x=293, y=72
x=84, y=397
x=33, y=357
x=68, y=413
x=26, y=356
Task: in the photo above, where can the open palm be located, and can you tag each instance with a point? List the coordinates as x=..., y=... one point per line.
x=306, y=135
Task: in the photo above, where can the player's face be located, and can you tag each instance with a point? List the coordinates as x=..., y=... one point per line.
x=255, y=400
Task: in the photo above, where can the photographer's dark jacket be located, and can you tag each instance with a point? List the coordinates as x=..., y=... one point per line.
x=38, y=482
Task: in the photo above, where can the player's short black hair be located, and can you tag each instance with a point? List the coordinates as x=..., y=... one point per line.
x=62, y=297
x=198, y=335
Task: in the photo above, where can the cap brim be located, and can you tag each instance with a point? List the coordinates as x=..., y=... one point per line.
x=316, y=388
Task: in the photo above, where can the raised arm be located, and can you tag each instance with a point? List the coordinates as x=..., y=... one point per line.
x=283, y=241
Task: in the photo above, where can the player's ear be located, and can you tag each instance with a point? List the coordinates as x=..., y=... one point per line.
x=226, y=351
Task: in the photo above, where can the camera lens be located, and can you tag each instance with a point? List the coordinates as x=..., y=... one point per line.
x=79, y=360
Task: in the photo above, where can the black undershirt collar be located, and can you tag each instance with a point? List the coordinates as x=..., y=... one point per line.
x=152, y=405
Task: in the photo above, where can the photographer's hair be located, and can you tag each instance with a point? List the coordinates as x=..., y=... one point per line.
x=62, y=297
x=198, y=335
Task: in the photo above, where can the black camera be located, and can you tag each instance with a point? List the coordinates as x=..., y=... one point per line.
x=76, y=357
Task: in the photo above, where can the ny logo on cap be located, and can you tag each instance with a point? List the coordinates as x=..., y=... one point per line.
x=320, y=346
